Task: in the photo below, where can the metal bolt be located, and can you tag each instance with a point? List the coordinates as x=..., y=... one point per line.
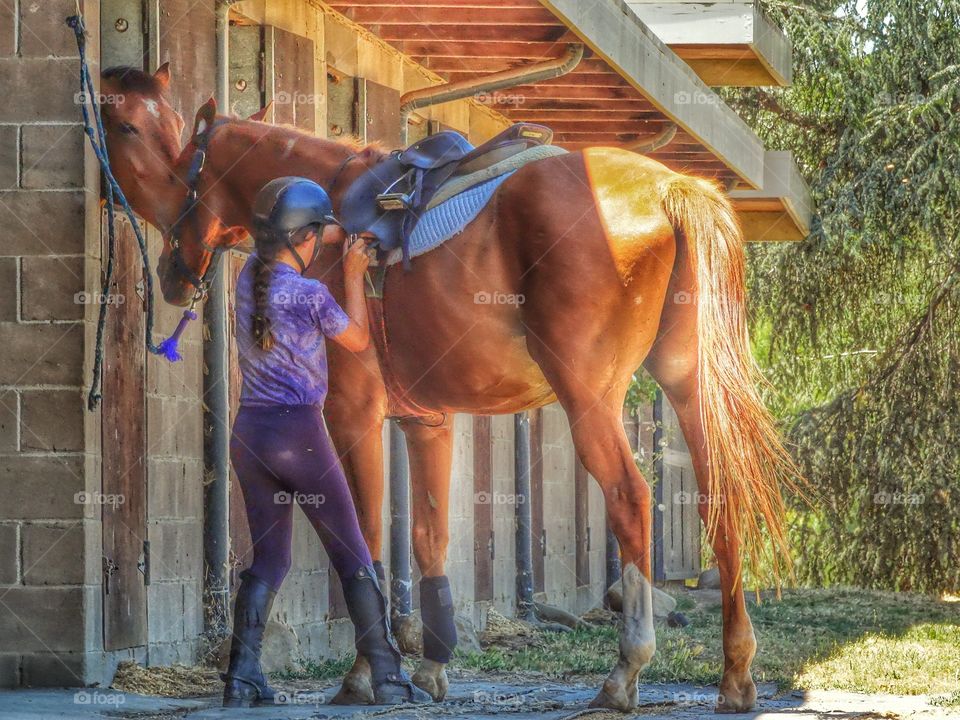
x=121, y=25
x=241, y=85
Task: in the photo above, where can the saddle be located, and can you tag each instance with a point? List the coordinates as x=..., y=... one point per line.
x=388, y=199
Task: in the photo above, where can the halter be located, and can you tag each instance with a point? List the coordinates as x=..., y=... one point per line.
x=188, y=210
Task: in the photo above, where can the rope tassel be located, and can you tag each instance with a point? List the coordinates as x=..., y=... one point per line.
x=168, y=348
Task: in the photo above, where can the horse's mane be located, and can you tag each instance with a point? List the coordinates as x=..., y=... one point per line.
x=131, y=79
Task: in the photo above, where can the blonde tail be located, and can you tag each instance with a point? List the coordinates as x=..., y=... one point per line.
x=747, y=461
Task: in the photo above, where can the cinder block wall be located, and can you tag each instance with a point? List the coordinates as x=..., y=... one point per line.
x=50, y=605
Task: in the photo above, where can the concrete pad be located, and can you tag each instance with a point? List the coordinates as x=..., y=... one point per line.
x=472, y=699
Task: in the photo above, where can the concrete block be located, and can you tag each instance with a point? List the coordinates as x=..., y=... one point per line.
x=41, y=223
x=54, y=99
x=42, y=32
x=42, y=619
x=8, y=287
x=175, y=488
x=51, y=288
x=176, y=426
x=41, y=488
x=9, y=664
x=52, y=156
x=9, y=154
x=41, y=354
x=176, y=550
x=52, y=420
x=8, y=30
x=54, y=554
x=9, y=421
x=60, y=669
x=9, y=558
x=165, y=614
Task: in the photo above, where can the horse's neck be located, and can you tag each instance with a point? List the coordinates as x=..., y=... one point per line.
x=288, y=152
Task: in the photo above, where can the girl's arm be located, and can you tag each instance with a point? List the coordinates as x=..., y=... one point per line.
x=356, y=336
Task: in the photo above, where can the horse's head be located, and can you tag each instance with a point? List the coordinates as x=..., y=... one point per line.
x=143, y=139
x=199, y=231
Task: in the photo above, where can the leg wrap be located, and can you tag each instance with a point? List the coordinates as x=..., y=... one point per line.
x=436, y=609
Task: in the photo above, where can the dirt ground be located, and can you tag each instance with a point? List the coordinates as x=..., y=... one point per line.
x=473, y=699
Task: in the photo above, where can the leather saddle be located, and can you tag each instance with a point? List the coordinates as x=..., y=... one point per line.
x=388, y=199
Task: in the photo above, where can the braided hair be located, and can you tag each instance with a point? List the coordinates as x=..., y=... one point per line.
x=268, y=245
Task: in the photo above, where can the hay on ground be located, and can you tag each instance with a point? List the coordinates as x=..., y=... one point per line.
x=174, y=681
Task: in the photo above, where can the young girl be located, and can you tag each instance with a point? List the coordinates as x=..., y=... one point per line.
x=280, y=447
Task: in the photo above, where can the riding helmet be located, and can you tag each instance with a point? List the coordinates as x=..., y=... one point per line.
x=288, y=204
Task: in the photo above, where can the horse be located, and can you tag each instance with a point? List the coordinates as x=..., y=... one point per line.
x=620, y=263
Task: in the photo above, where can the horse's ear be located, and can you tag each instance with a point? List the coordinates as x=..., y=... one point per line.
x=260, y=114
x=205, y=117
x=162, y=75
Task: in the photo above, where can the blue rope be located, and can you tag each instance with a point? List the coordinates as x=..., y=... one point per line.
x=97, y=138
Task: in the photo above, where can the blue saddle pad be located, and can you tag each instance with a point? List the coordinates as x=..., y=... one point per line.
x=440, y=223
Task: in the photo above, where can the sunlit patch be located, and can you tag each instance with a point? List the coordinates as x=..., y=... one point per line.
x=291, y=143
x=629, y=208
x=153, y=107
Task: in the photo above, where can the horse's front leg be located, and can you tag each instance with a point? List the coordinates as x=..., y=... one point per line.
x=430, y=447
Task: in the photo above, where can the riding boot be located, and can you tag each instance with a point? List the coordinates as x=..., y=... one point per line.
x=245, y=682
x=368, y=610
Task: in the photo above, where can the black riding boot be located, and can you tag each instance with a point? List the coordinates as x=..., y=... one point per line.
x=245, y=683
x=368, y=610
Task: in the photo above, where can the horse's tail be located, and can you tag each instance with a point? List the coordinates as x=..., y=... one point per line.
x=747, y=461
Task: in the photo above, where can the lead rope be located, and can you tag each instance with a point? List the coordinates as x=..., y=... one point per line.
x=96, y=135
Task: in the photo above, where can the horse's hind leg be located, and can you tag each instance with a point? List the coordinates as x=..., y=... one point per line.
x=673, y=364
x=602, y=446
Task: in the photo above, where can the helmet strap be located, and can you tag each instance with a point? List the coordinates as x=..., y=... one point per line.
x=296, y=255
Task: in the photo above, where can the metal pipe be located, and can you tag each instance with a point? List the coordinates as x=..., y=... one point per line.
x=654, y=142
x=216, y=401
x=524, y=516
x=512, y=77
x=401, y=581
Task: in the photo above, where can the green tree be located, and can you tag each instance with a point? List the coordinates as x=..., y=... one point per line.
x=857, y=327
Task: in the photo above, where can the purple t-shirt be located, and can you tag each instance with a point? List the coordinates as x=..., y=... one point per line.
x=302, y=312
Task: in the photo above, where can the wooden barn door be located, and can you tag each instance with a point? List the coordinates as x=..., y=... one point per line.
x=483, y=541
x=676, y=545
x=124, y=502
x=288, y=73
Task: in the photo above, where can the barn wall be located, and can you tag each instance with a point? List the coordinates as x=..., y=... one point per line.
x=49, y=255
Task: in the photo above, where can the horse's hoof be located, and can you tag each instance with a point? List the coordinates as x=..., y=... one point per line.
x=616, y=697
x=357, y=687
x=736, y=696
x=431, y=677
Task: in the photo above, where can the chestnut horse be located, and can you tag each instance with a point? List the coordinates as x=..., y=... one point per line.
x=619, y=262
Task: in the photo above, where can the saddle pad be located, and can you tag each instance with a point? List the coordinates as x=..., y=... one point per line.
x=510, y=164
x=442, y=222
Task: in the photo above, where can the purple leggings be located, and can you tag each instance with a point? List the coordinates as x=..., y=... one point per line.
x=283, y=456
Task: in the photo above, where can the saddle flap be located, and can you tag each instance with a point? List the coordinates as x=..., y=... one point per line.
x=436, y=150
x=359, y=210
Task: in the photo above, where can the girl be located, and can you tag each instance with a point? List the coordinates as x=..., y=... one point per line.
x=280, y=447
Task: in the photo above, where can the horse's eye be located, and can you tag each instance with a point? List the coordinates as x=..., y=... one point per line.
x=128, y=129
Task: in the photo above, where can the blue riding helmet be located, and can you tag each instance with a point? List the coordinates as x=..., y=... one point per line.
x=288, y=204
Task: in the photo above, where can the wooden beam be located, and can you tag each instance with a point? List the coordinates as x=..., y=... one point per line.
x=615, y=33
x=547, y=34
x=783, y=184
x=437, y=15
x=489, y=49
x=726, y=43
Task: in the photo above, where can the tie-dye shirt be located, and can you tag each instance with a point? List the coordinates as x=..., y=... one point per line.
x=303, y=312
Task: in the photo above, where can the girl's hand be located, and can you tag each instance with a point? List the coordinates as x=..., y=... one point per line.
x=355, y=258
